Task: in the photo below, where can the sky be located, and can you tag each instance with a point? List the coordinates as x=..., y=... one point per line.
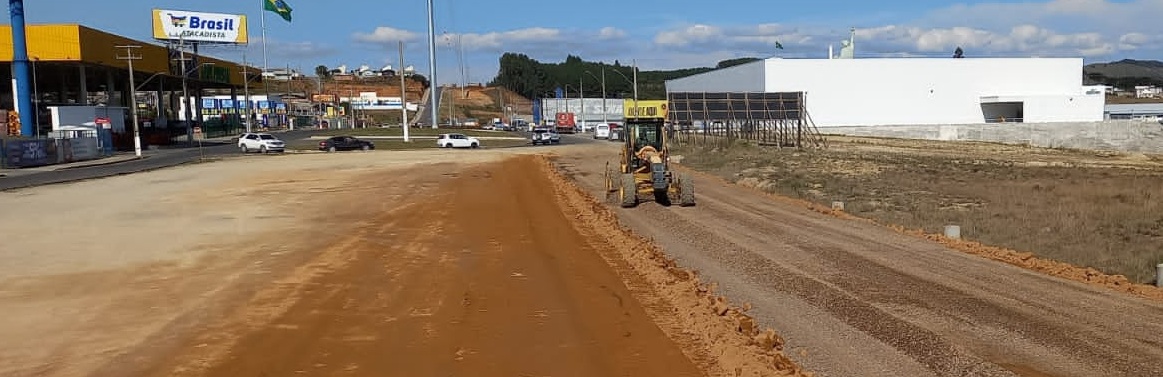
x=657, y=34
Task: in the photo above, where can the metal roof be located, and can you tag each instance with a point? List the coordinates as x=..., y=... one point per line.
x=1135, y=108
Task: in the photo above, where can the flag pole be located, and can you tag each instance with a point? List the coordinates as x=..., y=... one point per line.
x=262, y=15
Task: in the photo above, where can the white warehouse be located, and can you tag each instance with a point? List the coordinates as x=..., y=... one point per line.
x=917, y=91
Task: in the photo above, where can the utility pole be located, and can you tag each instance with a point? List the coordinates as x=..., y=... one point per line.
x=581, y=95
x=403, y=93
x=605, y=113
x=130, y=57
x=635, y=67
x=246, y=90
x=185, y=91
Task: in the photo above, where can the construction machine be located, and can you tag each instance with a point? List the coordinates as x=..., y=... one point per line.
x=643, y=171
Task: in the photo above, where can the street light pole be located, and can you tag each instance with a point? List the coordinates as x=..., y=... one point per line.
x=605, y=119
x=432, y=66
x=130, y=57
x=403, y=94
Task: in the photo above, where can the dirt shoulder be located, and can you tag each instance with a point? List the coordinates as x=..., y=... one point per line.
x=851, y=297
x=1099, y=210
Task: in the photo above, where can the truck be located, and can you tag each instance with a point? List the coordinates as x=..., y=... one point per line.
x=565, y=123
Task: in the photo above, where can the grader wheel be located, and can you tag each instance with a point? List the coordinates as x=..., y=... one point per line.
x=628, y=192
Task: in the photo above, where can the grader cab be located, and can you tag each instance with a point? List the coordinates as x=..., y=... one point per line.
x=643, y=171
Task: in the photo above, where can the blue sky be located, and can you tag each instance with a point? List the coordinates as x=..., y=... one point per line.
x=658, y=33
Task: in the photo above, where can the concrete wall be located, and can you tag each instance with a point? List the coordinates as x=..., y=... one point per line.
x=1130, y=136
x=860, y=92
x=741, y=78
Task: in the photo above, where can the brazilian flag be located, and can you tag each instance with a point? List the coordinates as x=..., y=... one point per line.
x=280, y=7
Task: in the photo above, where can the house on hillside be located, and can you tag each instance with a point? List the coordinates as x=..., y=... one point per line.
x=1147, y=91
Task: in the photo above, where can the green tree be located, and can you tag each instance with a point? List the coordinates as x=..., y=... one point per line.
x=322, y=71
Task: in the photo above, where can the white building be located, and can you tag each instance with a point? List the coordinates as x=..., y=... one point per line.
x=917, y=91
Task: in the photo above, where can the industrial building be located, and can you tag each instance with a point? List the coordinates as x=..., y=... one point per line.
x=1147, y=112
x=911, y=91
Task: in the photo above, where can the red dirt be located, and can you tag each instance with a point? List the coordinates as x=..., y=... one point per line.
x=463, y=280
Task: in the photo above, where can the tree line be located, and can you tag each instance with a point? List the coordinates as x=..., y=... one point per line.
x=534, y=79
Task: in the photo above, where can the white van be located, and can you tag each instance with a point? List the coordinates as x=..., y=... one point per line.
x=602, y=131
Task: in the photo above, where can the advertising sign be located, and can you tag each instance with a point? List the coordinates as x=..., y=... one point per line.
x=103, y=122
x=85, y=148
x=199, y=26
x=25, y=153
x=645, y=109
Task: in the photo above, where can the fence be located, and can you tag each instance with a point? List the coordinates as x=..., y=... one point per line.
x=23, y=153
x=714, y=118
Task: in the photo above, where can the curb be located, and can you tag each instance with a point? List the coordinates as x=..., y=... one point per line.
x=102, y=163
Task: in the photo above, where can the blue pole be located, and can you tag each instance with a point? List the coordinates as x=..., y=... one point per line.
x=20, y=68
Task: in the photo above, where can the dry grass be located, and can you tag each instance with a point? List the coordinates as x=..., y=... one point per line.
x=1100, y=211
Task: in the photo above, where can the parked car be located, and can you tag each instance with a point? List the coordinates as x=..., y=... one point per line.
x=616, y=132
x=545, y=136
x=602, y=131
x=261, y=142
x=345, y=143
x=457, y=141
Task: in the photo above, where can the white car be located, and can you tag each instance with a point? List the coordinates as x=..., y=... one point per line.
x=261, y=142
x=602, y=131
x=457, y=141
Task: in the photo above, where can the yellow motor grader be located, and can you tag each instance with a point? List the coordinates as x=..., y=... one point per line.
x=643, y=172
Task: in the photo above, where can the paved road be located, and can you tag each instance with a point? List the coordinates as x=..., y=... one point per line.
x=168, y=158
x=154, y=160
x=425, y=115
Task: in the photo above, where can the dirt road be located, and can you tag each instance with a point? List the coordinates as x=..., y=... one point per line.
x=852, y=298
x=361, y=264
x=482, y=275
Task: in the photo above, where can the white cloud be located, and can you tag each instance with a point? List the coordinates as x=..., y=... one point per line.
x=610, y=32
x=1093, y=29
x=387, y=34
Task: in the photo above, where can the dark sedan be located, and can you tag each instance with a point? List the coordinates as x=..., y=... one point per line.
x=345, y=143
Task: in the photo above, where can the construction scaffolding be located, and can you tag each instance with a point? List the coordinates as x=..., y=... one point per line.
x=774, y=119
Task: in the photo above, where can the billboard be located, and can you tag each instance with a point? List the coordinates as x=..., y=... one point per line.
x=645, y=109
x=173, y=25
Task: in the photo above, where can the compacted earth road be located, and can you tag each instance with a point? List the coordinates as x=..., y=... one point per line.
x=856, y=299
x=497, y=263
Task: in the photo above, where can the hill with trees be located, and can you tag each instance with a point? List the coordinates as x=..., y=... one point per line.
x=532, y=78
x=1125, y=74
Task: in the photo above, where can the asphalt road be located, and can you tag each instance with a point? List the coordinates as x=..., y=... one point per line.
x=154, y=160
x=168, y=158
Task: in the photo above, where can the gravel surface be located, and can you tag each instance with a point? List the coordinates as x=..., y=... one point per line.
x=853, y=298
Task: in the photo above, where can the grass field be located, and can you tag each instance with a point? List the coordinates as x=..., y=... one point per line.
x=1095, y=209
